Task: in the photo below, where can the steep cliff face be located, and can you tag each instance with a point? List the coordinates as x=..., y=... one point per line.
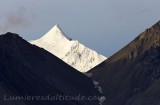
x=131, y=76
x=70, y=51
x=27, y=70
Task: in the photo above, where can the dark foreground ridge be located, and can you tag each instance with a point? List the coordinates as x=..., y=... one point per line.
x=132, y=75
x=27, y=70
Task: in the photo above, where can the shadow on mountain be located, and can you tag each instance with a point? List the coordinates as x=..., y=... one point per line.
x=27, y=70
x=132, y=75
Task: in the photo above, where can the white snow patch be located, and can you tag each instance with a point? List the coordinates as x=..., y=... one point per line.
x=88, y=74
x=102, y=98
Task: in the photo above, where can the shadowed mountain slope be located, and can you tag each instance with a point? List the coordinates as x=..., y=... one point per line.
x=26, y=69
x=132, y=75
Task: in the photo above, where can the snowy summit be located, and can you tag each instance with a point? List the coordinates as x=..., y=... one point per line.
x=70, y=51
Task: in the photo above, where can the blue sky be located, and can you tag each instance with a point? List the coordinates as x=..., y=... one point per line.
x=102, y=25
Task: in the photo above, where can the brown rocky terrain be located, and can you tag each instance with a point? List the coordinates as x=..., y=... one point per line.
x=132, y=75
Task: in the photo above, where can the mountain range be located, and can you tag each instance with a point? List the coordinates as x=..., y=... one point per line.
x=132, y=75
x=70, y=51
x=53, y=66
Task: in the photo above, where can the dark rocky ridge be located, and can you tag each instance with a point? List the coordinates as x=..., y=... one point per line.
x=26, y=69
x=132, y=75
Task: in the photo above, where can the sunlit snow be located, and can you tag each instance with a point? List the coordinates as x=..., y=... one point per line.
x=70, y=51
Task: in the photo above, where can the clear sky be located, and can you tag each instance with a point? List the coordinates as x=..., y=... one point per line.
x=102, y=25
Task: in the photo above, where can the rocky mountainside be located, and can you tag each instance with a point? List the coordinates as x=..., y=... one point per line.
x=70, y=51
x=27, y=70
x=132, y=75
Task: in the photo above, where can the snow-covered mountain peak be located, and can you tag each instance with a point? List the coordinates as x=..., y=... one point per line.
x=70, y=51
x=55, y=33
x=58, y=29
